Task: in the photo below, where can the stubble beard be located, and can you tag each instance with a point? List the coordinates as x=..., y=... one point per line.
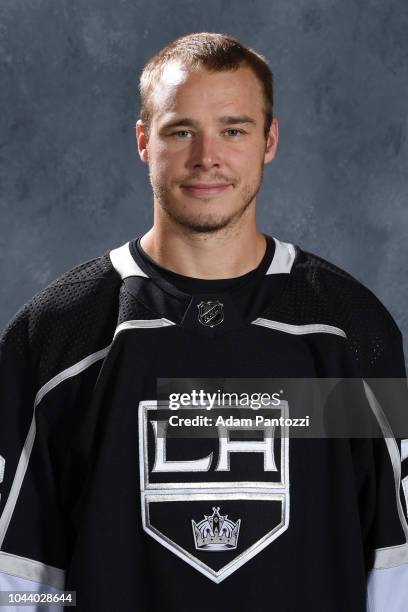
x=206, y=223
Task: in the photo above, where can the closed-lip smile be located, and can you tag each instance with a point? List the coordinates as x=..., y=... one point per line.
x=205, y=189
x=205, y=185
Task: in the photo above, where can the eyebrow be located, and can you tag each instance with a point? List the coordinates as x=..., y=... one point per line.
x=224, y=120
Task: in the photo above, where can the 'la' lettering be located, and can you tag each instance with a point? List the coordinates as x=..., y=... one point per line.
x=226, y=447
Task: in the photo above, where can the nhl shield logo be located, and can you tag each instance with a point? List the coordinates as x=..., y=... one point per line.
x=210, y=313
x=218, y=500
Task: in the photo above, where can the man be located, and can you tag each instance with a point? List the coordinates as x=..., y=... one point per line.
x=98, y=495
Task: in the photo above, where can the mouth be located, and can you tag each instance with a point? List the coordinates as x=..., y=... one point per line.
x=203, y=189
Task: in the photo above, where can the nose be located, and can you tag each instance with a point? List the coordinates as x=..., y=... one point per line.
x=205, y=153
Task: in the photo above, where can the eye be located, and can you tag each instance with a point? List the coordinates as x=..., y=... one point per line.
x=235, y=130
x=181, y=133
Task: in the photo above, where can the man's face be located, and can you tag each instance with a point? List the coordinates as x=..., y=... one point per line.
x=206, y=147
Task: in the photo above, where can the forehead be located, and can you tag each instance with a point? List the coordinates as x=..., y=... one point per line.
x=182, y=90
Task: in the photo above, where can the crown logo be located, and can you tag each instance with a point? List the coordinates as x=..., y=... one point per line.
x=216, y=532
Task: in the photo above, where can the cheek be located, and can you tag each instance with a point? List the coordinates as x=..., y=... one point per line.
x=165, y=168
x=244, y=154
x=172, y=163
x=252, y=160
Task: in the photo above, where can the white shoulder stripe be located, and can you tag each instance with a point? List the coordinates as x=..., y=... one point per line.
x=283, y=258
x=404, y=449
x=124, y=263
x=29, y=569
x=143, y=324
x=311, y=328
x=69, y=372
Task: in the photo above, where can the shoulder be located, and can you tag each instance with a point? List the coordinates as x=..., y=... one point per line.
x=83, y=288
x=320, y=292
x=71, y=317
x=349, y=299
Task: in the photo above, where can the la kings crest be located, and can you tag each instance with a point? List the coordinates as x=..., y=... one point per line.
x=217, y=499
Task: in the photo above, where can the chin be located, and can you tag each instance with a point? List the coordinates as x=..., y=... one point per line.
x=203, y=214
x=200, y=223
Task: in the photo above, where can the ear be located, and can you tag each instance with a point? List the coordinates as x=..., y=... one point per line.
x=272, y=141
x=142, y=141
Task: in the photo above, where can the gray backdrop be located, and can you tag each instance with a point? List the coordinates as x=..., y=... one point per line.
x=72, y=185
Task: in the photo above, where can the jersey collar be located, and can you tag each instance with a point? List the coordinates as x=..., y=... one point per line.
x=200, y=312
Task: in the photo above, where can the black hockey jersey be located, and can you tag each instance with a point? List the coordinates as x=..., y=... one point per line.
x=98, y=497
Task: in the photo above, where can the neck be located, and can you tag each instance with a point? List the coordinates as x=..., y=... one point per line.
x=227, y=253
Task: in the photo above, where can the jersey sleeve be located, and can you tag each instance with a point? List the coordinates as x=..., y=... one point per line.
x=387, y=395
x=51, y=354
x=28, y=514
